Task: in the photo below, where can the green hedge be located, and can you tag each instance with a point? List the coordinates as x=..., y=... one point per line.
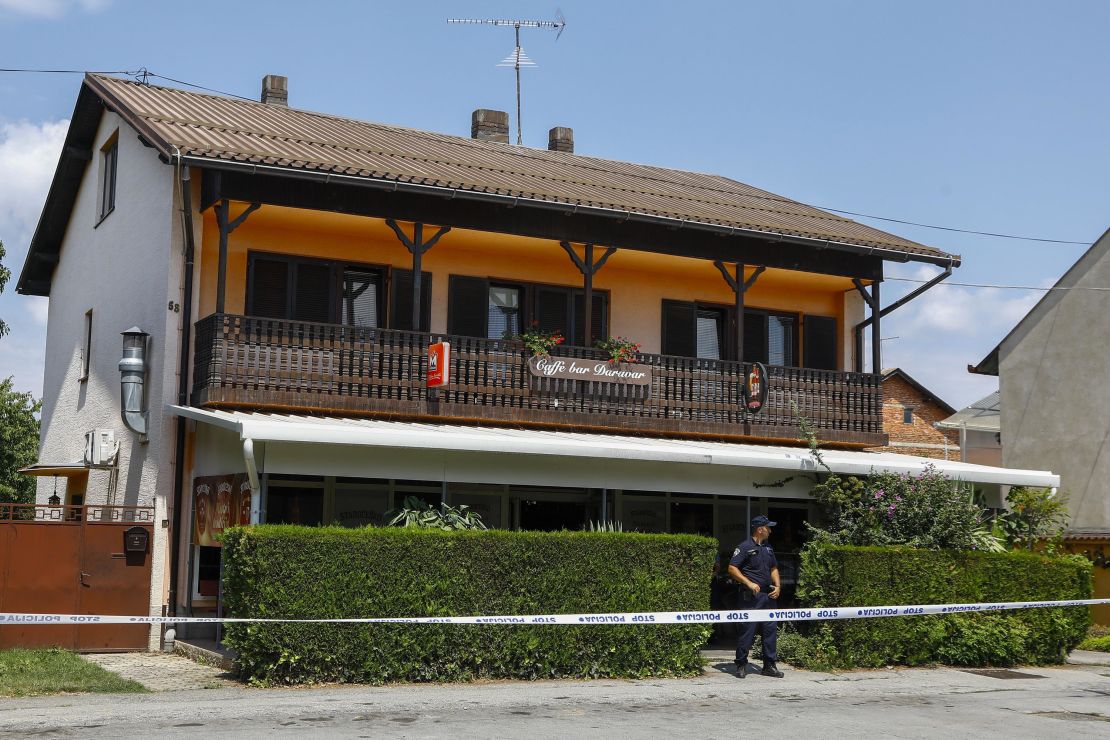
x=287, y=571
x=873, y=576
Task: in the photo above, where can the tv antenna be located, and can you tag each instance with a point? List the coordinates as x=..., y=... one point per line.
x=517, y=58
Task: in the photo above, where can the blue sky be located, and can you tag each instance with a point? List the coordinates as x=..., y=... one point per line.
x=974, y=114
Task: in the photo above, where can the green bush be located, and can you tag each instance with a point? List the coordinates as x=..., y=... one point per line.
x=875, y=576
x=330, y=572
x=1096, y=643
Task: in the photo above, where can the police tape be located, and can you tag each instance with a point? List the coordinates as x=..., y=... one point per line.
x=686, y=617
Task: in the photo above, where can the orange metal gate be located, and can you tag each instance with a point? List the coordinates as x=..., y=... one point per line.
x=75, y=560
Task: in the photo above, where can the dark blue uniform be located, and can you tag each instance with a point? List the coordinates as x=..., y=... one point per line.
x=756, y=561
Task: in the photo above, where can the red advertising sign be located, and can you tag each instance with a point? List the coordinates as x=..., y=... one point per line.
x=439, y=364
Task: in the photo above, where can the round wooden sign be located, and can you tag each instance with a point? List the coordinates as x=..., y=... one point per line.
x=755, y=388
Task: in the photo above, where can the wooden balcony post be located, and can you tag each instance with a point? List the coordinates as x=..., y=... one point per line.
x=226, y=227
x=417, y=247
x=876, y=335
x=739, y=287
x=587, y=267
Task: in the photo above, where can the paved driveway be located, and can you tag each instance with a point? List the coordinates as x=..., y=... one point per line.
x=911, y=703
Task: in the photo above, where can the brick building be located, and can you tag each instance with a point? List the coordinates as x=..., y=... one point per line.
x=910, y=411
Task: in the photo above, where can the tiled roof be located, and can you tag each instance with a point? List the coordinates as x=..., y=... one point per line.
x=222, y=128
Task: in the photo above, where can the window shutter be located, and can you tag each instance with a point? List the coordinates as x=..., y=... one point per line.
x=269, y=289
x=597, y=319
x=755, y=336
x=678, y=328
x=401, y=300
x=552, y=309
x=312, y=293
x=820, y=342
x=467, y=306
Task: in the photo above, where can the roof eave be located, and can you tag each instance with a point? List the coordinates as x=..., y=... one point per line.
x=893, y=255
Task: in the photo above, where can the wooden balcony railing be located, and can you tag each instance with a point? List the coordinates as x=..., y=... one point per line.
x=272, y=364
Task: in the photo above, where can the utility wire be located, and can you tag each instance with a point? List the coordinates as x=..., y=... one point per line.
x=1003, y=287
x=143, y=73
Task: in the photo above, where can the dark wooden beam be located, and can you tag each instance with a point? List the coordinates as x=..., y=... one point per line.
x=524, y=220
x=417, y=247
x=227, y=226
x=740, y=287
x=587, y=267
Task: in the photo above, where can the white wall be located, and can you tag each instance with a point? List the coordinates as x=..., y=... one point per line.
x=125, y=269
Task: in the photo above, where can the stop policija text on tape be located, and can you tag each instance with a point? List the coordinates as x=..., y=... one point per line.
x=689, y=617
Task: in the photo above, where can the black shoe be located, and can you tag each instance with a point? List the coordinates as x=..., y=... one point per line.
x=770, y=669
x=741, y=668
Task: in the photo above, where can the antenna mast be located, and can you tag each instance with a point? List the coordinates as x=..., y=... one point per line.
x=518, y=58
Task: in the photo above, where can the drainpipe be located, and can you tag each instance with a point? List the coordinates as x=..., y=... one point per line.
x=183, y=379
x=252, y=477
x=858, y=330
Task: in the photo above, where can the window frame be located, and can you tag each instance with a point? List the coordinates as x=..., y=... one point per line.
x=337, y=268
x=86, y=352
x=907, y=414
x=108, y=177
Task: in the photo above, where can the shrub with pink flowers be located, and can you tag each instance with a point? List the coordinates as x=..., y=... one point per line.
x=923, y=510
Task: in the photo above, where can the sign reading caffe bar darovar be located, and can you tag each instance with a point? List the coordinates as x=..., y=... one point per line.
x=596, y=370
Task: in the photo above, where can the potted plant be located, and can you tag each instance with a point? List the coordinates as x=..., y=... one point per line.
x=540, y=342
x=620, y=349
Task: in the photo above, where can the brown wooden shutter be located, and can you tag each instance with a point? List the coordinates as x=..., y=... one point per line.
x=755, y=336
x=679, y=320
x=467, y=306
x=400, y=312
x=598, y=319
x=312, y=292
x=552, y=309
x=819, y=337
x=269, y=288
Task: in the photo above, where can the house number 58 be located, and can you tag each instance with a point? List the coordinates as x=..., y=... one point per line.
x=175, y=307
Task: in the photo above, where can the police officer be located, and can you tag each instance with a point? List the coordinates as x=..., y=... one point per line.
x=754, y=567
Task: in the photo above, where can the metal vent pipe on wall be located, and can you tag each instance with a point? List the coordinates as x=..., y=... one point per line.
x=132, y=369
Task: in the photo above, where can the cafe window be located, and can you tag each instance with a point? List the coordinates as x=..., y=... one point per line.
x=479, y=307
x=295, y=500
x=306, y=289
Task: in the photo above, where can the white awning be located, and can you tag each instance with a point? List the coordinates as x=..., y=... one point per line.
x=412, y=436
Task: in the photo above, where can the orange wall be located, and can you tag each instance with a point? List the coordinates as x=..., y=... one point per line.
x=637, y=281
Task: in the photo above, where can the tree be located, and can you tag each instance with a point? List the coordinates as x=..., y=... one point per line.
x=5, y=276
x=1037, y=517
x=19, y=443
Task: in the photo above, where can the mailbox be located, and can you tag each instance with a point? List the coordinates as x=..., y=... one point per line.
x=136, y=539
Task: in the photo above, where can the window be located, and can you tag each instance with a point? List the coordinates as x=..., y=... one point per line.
x=907, y=414
x=306, y=289
x=503, y=321
x=693, y=329
x=478, y=307
x=108, y=160
x=86, y=351
x=709, y=334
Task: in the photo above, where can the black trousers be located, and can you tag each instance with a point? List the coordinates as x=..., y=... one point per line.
x=768, y=631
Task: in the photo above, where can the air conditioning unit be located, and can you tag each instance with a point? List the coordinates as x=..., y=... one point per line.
x=101, y=448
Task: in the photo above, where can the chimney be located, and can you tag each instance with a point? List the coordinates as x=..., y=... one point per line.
x=490, y=125
x=275, y=90
x=561, y=139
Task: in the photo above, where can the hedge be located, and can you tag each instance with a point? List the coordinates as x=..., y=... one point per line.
x=289, y=571
x=873, y=576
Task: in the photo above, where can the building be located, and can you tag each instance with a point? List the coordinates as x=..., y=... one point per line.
x=911, y=413
x=978, y=430
x=285, y=273
x=1054, y=408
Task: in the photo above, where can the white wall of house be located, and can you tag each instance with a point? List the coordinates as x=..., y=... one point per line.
x=1053, y=370
x=124, y=268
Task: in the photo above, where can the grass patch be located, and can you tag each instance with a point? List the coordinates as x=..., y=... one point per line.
x=55, y=671
x=1096, y=643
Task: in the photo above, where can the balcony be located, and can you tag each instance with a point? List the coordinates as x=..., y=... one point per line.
x=300, y=367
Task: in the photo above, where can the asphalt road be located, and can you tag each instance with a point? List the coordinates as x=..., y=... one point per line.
x=1036, y=703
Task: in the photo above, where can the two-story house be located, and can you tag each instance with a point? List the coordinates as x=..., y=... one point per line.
x=286, y=272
